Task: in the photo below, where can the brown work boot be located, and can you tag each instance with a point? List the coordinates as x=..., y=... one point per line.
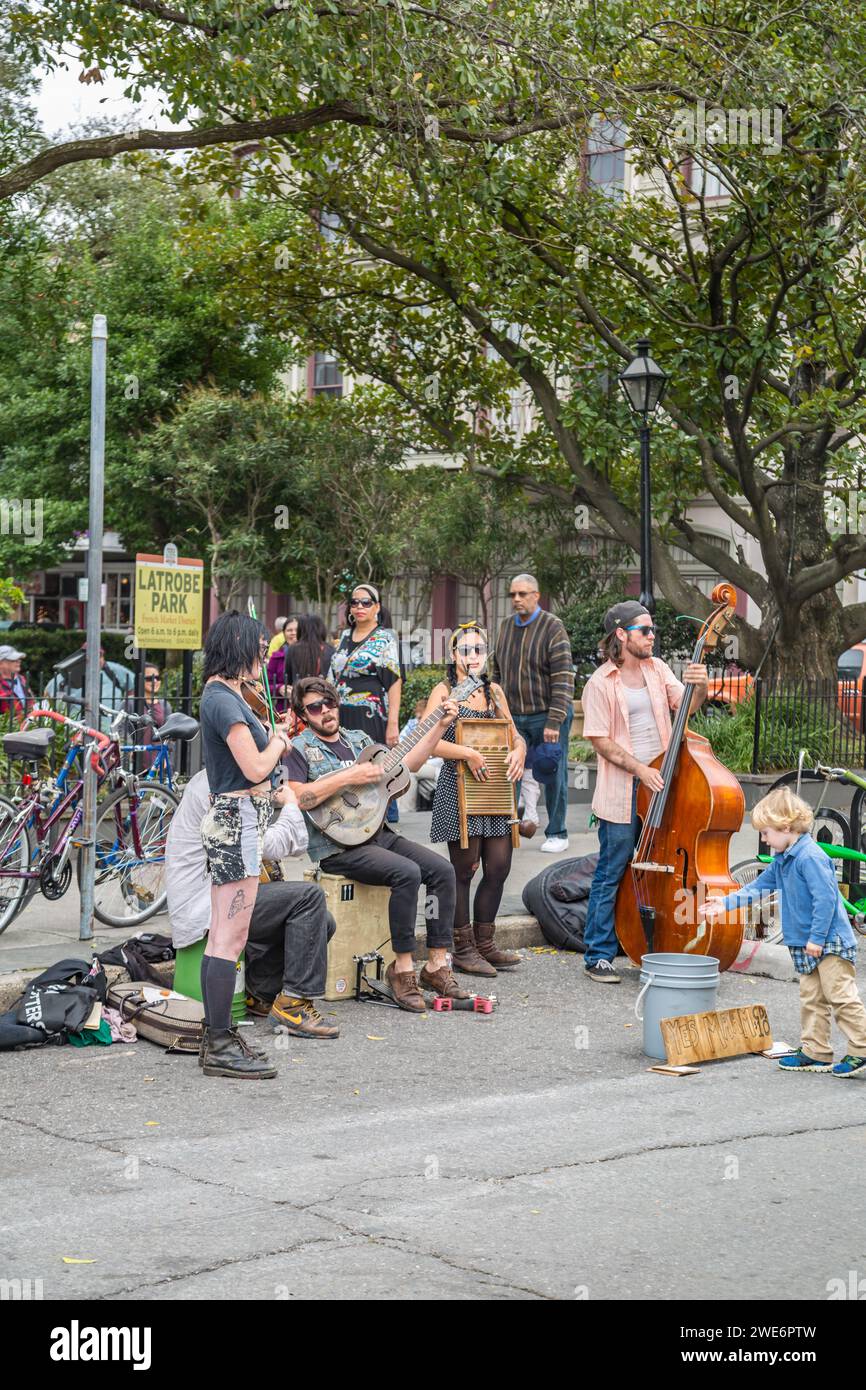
x=404, y=987
x=442, y=982
x=503, y=960
x=465, y=957
x=300, y=1018
x=258, y=1007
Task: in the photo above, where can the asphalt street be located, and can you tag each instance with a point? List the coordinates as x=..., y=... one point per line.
x=438, y=1157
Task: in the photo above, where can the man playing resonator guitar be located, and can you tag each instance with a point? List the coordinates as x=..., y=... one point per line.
x=322, y=763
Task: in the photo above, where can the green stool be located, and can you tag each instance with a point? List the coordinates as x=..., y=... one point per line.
x=187, y=977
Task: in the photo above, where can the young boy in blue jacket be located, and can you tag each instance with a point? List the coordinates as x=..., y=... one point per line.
x=816, y=930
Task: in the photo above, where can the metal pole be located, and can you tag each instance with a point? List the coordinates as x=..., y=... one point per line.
x=92, y=671
x=646, y=559
x=186, y=706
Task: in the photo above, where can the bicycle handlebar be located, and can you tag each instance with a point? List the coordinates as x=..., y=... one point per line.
x=96, y=735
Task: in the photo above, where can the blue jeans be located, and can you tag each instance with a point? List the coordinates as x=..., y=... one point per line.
x=616, y=846
x=531, y=726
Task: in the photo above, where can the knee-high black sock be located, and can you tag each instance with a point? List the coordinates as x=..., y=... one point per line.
x=220, y=986
x=205, y=967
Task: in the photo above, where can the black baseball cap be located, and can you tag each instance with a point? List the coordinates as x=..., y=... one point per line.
x=622, y=614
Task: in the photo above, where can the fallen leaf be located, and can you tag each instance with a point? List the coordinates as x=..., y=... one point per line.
x=148, y=1078
x=356, y=1092
x=70, y=1260
x=628, y=1025
x=371, y=1037
x=151, y=1122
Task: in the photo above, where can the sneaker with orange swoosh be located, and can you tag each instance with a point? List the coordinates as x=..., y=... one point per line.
x=300, y=1018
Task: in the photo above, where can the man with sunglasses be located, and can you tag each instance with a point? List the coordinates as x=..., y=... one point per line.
x=627, y=706
x=322, y=761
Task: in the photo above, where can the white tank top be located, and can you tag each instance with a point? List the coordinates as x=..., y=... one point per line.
x=642, y=727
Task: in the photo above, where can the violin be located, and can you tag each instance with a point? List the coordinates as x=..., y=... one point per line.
x=681, y=855
x=256, y=695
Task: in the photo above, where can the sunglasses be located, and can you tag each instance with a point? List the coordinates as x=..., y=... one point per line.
x=316, y=706
x=362, y=603
x=471, y=651
x=152, y=680
x=643, y=628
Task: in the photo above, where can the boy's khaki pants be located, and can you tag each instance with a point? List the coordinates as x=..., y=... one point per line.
x=831, y=985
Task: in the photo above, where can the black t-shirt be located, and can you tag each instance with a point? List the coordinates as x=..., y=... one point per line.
x=221, y=707
x=296, y=766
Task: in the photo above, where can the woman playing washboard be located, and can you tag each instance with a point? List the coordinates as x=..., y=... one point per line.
x=489, y=836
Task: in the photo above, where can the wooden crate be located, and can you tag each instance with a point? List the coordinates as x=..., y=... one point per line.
x=361, y=913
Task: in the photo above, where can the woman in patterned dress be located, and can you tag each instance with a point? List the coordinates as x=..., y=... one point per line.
x=365, y=668
x=489, y=836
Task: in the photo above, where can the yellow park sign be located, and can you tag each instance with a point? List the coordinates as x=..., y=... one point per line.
x=168, y=603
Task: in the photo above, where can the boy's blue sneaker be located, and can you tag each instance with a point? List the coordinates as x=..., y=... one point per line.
x=849, y=1065
x=798, y=1061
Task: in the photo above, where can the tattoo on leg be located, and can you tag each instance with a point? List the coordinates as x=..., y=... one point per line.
x=238, y=903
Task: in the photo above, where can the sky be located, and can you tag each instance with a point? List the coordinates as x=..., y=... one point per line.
x=63, y=102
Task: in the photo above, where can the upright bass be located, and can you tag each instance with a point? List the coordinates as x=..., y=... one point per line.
x=681, y=855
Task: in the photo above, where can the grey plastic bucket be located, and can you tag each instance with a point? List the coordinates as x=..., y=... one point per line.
x=674, y=983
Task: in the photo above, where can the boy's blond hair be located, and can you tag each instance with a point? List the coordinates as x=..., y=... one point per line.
x=782, y=810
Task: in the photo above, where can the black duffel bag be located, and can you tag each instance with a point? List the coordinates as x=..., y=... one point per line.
x=558, y=897
x=54, y=1004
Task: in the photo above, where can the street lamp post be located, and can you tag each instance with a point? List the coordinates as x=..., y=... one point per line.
x=643, y=384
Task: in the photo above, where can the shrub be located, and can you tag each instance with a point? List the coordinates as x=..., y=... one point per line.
x=417, y=686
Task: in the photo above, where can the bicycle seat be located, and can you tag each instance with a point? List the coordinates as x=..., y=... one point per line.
x=29, y=746
x=179, y=726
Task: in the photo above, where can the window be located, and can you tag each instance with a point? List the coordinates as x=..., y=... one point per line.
x=704, y=181
x=118, y=600
x=327, y=377
x=605, y=157
x=328, y=224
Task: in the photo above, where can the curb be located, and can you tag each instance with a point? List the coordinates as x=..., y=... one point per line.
x=755, y=957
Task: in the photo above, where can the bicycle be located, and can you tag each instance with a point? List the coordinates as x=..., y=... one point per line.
x=131, y=827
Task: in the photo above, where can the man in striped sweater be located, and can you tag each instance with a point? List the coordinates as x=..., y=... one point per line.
x=533, y=665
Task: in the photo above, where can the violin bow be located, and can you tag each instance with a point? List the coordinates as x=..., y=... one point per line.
x=251, y=610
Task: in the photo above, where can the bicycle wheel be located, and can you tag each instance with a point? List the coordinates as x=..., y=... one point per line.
x=764, y=921
x=129, y=888
x=15, y=853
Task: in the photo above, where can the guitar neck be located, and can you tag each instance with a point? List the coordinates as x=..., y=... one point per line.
x=406, y=745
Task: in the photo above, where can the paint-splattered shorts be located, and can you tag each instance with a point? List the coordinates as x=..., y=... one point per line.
x=232, y=833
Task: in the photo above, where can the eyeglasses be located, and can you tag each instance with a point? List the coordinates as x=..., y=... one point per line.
x=316, y=706
x=362, y=603
x=521, y=593
x=471, y=651
x=643, y=628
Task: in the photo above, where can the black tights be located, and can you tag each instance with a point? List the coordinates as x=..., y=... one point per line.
x=494, y=853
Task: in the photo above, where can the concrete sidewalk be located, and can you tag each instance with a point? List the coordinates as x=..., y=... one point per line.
x=46, y=932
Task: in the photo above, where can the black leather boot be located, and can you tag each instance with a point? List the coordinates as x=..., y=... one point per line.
x=226, y=1053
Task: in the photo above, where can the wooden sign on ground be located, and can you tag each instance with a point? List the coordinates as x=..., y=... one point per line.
x=723, y=1033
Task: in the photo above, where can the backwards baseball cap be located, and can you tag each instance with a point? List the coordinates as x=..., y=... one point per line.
x=8, y=653
x=621, y=614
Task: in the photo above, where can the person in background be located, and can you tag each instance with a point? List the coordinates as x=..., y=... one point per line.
x=365, y=668
x=816, y=930
x=311, y=654
x=533, y=664
x=156, y=709
x=117, y=683
x=276, y=664
x=16, y=697
x=278, y=638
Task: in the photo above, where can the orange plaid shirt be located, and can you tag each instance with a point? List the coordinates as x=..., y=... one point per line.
x=605, y=715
